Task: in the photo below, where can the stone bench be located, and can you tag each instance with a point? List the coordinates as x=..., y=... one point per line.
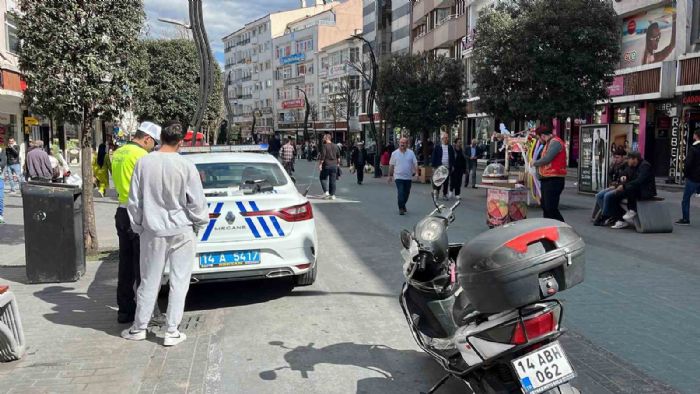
x=653, y=216
x=12, y=344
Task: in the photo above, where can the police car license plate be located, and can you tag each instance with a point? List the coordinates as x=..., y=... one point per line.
x=229, y=259
x=543, y=369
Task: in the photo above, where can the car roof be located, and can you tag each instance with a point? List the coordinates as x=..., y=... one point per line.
x=230, y=157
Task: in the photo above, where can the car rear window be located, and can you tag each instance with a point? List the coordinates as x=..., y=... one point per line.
x=227, y=175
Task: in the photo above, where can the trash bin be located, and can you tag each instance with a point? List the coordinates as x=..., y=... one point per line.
x=53, y=232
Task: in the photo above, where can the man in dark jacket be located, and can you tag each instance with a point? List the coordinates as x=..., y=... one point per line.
x=38, y=164
x=358, y=157
x=638, y=183
x=459, y=169
x=618, y=168
x=473, y=153
x=692, y=178
x=275, y=146
x=443, y=155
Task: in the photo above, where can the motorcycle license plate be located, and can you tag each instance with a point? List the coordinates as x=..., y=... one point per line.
x=543, y=369
x=229, y=259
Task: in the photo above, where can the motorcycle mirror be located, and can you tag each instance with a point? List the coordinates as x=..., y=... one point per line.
x=440, y=176
x=406, y=238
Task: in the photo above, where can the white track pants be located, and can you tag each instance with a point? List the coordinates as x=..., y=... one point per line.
x=179, y=252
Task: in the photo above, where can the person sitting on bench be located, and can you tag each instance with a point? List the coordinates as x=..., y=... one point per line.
x=638, y=183
x=618, y=168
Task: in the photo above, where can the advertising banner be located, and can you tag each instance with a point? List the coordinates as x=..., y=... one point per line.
x=296, y=103
x=505, y=206
x=292, y=59
x=594, y=154
x=617, y=87
x=648, y=37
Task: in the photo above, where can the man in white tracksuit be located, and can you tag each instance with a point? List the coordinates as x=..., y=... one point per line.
x=167, y=208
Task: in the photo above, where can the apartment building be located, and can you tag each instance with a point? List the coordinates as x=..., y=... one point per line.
x=401, y=26
x=249, y=68
x=11, y=83
x=296, y=63
x=439, y=27
x=340, y=93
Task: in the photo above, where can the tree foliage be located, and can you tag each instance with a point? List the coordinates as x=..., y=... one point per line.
x=168, y=85
x=75, y=56
x=539, y=59
x=420, y=92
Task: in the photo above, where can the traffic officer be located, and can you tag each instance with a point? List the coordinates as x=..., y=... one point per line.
x=123, y=162
x=551, y=168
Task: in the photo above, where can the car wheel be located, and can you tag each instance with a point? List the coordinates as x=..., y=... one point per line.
x=306, y=279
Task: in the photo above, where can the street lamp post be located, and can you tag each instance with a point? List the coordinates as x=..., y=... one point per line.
x=206, y=61
x=370, y=101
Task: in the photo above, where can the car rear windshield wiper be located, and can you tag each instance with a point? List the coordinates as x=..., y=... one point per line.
x=256, y=186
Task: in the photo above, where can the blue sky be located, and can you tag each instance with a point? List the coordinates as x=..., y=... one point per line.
x=221, y=17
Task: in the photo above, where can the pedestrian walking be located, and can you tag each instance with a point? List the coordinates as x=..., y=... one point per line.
x=443, y=155
x=100, y=167
x=275, y=146
x=14, y=165
x=38, y=163
x=329, y=161
x=123, y=163
x=551, y=168
x=459, y=169
x=167, y=208
x=402, y=167
x=474, y=152
x=359, y=159
x=287, y=156
x=3, y=166
x=692, y=178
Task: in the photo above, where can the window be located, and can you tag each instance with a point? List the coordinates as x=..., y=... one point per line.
x=696, y=23
x=354, y=82
x=354, y=55
x=305, y=45
x=11, y=32
x=301, y=70
x=232, y=175
x=354, y=109
x=286, y=72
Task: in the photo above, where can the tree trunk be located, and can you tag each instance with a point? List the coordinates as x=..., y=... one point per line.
x=89, y=229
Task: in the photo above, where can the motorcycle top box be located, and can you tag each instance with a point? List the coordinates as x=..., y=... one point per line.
x=520, y=263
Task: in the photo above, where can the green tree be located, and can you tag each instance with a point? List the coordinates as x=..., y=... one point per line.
x=538, y=59
x=75, y=57
x=420, y=92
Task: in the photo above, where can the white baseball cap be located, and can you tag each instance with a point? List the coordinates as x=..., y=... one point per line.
x=151, y=129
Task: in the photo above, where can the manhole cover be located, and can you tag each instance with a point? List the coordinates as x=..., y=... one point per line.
x=191, y=323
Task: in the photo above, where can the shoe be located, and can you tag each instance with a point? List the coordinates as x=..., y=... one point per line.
x=683, y=222
x=473, y=187
x=124, y=318
x=402, y=212
x=609, y=222
x=2, y=220
x=620, y=225
x=600, y=221
x=459, y=197
x=130, y=334
x=333, y=197
x=172, y=339
x=326, y=194
x=629, y=215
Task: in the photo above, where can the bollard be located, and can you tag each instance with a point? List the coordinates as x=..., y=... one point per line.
x=12, y=343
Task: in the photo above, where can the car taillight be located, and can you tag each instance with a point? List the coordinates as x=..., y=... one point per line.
x=296, y=213
x=534, y=327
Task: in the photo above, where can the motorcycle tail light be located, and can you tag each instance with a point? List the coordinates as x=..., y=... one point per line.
x=533, y=328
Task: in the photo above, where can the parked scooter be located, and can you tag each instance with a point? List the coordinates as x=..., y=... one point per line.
x=483, y=310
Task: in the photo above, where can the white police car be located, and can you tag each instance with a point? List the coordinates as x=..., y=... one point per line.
x=260, y=226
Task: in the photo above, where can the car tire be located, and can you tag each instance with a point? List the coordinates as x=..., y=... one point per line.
x=306, y=279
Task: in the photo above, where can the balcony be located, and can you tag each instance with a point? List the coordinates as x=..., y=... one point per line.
x=688, y=73
x=423, y=7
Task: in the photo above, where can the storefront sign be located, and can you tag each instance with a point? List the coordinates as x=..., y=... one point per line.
x=646, y=37
x=337, y=70
x=617, y=87
x=691, y=100
x=593, y=159
x=292, y=59
x=293, y=81
x=31, y=121
x=5, y=119
x=679, y=136
x=296, y=103
x=667, y=108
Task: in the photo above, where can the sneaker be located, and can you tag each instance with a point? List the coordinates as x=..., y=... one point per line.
x=683, y=222
x=173, y=338
x=620, y=225
x=459, y=197
x=134, y=335
x=629, y=215
x=402, y=212
x=333, y=197
x=326, y=194
x=599, y=221
x=609, y=222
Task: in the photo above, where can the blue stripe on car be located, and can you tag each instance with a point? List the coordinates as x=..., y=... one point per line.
x=277, y=226
x=250, y=223
x=264, y=226
x=212, y=221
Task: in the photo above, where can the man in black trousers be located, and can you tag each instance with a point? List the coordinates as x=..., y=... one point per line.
x=358, y=158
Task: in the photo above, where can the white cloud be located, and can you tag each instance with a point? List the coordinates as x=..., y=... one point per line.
x=221, y=17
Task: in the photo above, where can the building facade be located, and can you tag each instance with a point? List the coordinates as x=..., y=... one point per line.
x=401, y=11
x=296, y=64
x=249, y=55
x=12, y=85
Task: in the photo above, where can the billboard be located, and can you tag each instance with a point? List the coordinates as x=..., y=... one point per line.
x=648, y=37
x=594, y=153
x=296, y=103
x=292, y=59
